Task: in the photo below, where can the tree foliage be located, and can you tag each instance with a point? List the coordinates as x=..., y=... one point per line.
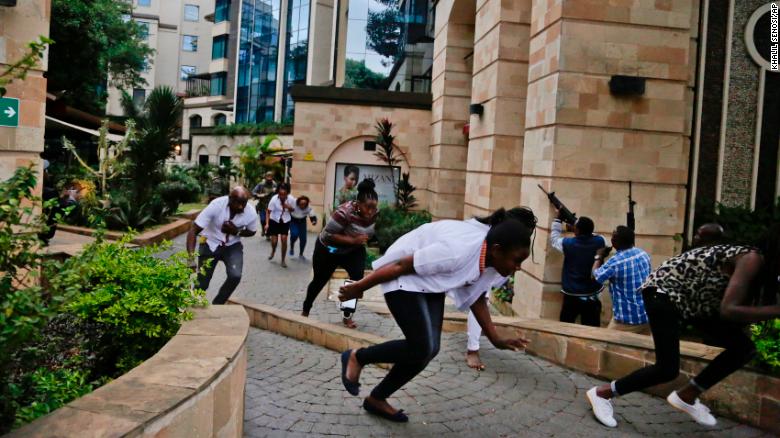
x=96, y=41
x=157, y=125
x=383, y=31
x=357, y=75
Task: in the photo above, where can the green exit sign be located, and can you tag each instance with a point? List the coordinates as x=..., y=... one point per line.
x=9, y=111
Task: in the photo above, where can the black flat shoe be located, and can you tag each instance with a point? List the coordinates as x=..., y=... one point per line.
x=398, y=417
x=351, y=387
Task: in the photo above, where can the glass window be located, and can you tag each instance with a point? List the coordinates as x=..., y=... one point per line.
x=139, y=97
x=218, y=84
x=144, y=2
x=219, y=47
x=189, y=43
x=258, y=48
x=222, y=11
x=186, y=71
x=220, y=119
x=203, y=160
x=224, y=161
x=143, y=30
x=191, y=12
x=389, y=45
x=196, y=121
x=297, y=52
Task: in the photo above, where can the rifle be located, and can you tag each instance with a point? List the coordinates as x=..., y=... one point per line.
x=565, y=214
x=630, y=220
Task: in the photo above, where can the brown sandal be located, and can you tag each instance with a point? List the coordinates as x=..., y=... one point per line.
x=349, y=323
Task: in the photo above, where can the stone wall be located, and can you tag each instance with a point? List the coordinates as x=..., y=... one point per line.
x=323, y=128
x=193, y=387
x=22, y=24
x=586, y=144
x=216, y=146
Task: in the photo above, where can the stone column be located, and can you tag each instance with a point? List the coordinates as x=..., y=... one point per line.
x=500, y=82
x=586, y=144
x=451, y=89
x=21, y=146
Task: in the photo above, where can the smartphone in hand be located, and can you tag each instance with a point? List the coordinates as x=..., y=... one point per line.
x=349, y=305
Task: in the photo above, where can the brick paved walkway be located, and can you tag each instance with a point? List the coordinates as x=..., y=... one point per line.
x=293, y=388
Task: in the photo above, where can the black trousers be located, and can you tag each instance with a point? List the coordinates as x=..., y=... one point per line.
x=588, y=310
x=420, y=317
x=325, y=263
x=665, y=326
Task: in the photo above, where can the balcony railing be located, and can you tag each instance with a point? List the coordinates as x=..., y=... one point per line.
x=198, y=85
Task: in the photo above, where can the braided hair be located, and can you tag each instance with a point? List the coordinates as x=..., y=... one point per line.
x=366, y=191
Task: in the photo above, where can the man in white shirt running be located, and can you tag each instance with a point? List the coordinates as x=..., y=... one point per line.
x=222, y=223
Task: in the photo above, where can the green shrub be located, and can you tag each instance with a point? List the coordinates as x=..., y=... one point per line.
x=766, y=336
x=179, y=187
x=393, y=223
x=371, y=255
x=50, y=390
x=253, y=129
x=140, y=298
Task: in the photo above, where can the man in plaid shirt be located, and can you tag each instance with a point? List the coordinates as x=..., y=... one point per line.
x=626, y=271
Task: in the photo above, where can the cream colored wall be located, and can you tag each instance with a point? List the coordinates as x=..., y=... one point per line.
x=19, y=25
x=585, y=143
x=320, y=42
x=168, y=58
x=223, y=145
x=320, y=128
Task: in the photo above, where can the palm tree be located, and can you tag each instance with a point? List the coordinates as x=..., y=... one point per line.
x=157, y=129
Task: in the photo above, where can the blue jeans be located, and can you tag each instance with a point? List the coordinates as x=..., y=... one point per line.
x=262, y=214
x=297, y=231
x=233, y=258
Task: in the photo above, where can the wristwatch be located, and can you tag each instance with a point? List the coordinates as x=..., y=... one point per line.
x=597, y=257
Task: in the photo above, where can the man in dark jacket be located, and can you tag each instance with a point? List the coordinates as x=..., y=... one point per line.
x=580, y=290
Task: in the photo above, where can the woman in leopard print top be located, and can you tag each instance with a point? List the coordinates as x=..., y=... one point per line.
x=714, y=289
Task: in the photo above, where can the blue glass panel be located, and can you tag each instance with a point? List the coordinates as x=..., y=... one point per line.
x=257, y=60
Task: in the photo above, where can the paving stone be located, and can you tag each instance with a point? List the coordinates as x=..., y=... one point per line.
x=294, y=388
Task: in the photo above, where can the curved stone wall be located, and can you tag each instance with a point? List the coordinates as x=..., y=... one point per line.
x=193, y=387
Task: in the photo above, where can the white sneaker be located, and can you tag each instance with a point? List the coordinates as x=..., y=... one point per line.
x=699, y=412
x=602, y=408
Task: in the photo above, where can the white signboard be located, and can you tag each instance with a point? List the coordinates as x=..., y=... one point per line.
x=349, y=175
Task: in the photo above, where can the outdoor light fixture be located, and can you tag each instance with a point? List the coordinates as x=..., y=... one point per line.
x=626, y=85
x=476, y=108
x=177, y=149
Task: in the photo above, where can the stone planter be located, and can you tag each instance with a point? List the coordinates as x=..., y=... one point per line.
x=156, y=235
x=193, y=387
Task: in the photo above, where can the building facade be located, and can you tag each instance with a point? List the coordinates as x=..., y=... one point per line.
x=265, y=47
x=180, y=35
x=21, y=145
x=580, y=97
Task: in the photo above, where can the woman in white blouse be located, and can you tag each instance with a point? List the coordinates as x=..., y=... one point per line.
x=456, y=257
x=277, y=219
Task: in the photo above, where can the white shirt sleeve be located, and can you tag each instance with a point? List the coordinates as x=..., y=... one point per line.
x=252, y=225
x=556, y=240
x=435, y=259
x=207, y=215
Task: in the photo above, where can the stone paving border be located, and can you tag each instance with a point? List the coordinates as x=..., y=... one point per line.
x=747, y=396
x=157, y=235
x=193, y=387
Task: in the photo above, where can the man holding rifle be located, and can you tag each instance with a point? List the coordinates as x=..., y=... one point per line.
x=580, y=290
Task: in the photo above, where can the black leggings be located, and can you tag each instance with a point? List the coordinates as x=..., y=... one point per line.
x=665, y=326
x=325, y=263
x=420, y=316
